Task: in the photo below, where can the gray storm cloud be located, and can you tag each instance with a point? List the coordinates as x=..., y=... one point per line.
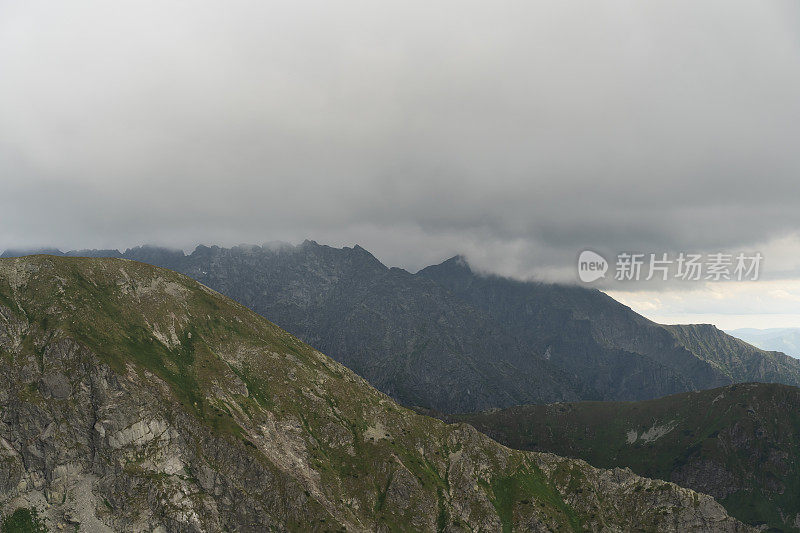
x=518, y=133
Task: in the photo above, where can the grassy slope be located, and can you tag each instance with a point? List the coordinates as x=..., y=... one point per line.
x=749, y=432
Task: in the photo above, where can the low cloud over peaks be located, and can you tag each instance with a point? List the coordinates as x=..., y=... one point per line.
x=515, y=133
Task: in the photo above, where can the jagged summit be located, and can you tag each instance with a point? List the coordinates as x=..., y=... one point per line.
x=458, y=265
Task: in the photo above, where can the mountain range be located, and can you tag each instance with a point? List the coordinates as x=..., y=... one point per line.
x=786, y=340
x=134, y=398
x=454, y=340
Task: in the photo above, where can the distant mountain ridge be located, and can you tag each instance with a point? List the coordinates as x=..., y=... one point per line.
x=452, y=340
x=786, y=340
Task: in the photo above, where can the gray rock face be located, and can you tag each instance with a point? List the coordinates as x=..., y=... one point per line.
x=123, y=408
x=55, y=385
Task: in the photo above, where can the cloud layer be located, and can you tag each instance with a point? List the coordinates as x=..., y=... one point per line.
x=518, y=133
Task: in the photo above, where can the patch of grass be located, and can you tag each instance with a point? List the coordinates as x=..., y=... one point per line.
x=442, y=519
x=256, y=388
x=530, y=484
x=381, y=499
x=23, y=520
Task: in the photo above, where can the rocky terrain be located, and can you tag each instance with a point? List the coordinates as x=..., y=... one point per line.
x=136, y=399
x=739, y=443
x=453, y=340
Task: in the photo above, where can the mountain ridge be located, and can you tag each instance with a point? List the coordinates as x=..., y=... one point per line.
x=134, y=398
x=453, y=340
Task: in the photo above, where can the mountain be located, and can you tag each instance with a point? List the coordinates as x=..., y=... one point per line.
x=136, y=399
x=454, y=340
x=405, y=334
x=739, y=443
x=33, y=251
x=624, y=355
x=786, y=340
x=616, y=353
x=737, y=359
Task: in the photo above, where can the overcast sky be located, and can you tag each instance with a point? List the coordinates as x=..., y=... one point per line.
x=517, y=133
